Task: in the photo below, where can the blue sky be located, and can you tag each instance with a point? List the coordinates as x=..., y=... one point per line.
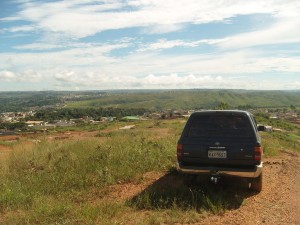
x=149, y=44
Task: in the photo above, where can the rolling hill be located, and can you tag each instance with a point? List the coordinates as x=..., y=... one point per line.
x=188, y=99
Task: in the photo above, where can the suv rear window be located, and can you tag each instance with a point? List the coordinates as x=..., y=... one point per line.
x=220, y=125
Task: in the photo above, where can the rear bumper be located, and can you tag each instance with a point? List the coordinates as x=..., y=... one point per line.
x=238, y=172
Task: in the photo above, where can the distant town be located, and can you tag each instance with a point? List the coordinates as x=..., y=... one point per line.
x=21, y=121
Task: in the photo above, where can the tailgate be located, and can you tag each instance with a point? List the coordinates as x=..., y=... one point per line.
x=216, y=151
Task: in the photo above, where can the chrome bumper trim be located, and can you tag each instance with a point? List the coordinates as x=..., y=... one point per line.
x=222, y=171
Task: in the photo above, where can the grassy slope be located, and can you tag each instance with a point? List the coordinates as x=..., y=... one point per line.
x=188, y=99
x=67, y=182
x=22, y=101
x=287, y=139
x=151, y=99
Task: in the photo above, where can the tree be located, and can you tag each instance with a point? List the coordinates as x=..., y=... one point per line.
x=222, y=106
x=293, y=107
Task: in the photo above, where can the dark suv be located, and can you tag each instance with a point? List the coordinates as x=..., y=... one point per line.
x=222, y=142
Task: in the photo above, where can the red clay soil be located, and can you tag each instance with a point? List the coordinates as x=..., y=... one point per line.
x=278, y=203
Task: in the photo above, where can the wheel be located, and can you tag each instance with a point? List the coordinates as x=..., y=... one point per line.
x=256, y=183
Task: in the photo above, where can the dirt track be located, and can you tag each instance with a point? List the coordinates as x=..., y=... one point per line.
x=279, y=201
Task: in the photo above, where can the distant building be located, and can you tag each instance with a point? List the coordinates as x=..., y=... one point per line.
x=34, y=123
x=155, y=115
x=268, y=128
x=131, y=118
x=7, y=119
x=127, y=127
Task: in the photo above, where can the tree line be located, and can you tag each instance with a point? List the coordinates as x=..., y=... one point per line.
x=75, y=113
x=12, y=126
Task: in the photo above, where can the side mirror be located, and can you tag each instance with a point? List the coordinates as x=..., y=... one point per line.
x=261, y=128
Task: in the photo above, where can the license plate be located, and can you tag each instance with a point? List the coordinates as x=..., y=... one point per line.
x=217, y=154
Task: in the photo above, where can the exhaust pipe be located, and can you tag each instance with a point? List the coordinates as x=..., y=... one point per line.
x=215, y=179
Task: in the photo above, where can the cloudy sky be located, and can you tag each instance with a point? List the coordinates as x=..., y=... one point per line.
x=149, y=44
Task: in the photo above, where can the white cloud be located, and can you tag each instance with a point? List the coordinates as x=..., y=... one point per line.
x=174, y=80
x=10, y=19
x=55, y=45
x=77, y=19
x=91, y=67
x=30, y=76
x=91, y=58
x=81, y=19
x=97, y=79
x=21, y=29
x=294, y=85
x=161, y=29
x=166, y=44
x=17, y=29
x=66, y=56
x=65, y=76
x=283, y=32
x=6, y=75
x=37, y=46
x=61, y=24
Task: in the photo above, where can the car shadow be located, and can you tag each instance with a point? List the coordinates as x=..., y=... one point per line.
x=186, y=192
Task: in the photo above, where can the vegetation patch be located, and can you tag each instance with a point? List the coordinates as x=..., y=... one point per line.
x=175, y=191
x=68, y=181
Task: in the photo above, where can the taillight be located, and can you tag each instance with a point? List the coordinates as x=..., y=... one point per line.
x=258, y=153
x=179, y=151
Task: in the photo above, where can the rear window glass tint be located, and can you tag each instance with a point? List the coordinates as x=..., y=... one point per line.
x=220, y=125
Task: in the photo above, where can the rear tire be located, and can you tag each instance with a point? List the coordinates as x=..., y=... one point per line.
x=256, y=183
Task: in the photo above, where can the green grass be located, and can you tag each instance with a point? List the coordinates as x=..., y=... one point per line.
x=69, y=181
x=57, y=167
x=286, y=139
x=54, y=171
x=206, y=197
x=150, y=99
x=9, y=143
x=191, y=99
x=275, y=142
